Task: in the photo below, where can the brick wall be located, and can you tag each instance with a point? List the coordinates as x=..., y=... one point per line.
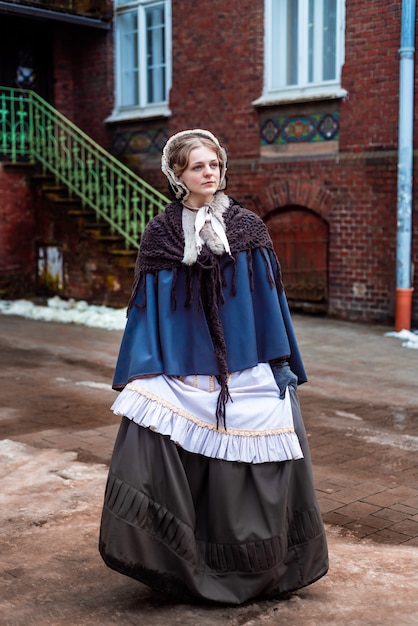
x=218, y=70
x=93, y=87
x=63, y=71
x=83, y=78
x=369, y=116
x=17, y=255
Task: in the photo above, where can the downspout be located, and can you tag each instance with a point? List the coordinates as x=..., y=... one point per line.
x=404, y=287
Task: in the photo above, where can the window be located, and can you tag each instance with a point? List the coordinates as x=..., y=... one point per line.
x=303, y=49
x=143, y=51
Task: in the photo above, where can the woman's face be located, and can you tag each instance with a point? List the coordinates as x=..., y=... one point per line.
x=201, y=176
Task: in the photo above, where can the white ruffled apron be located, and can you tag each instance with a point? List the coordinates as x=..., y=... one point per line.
x=259, y=425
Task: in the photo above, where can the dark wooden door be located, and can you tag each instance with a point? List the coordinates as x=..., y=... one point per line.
x=300, y=239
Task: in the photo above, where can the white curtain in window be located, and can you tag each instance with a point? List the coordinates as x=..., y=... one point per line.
x=156, y=62
x=128, y=58
x=303, y=42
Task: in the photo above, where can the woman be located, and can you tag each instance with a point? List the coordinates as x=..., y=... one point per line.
x=210, y=493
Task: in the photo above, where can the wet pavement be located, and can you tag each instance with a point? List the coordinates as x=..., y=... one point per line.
x=56, y=436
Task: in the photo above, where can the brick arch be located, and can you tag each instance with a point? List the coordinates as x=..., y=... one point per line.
x=309, y=195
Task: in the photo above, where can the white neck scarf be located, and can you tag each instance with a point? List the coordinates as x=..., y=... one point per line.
x=205, y=225
x=206, y=215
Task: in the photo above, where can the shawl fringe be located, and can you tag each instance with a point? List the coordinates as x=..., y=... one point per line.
x=162, y=247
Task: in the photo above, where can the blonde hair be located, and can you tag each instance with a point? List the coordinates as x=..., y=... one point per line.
x=180, y=155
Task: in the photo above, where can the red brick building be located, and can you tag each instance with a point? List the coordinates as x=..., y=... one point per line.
x=305, y=97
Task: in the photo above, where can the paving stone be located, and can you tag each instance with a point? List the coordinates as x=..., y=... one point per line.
x=358, y=510
x=360, y=530
x=335, y=519
x=411, y=542
x=407, y=527
x=412, y=502
x=390, y=514
x=387, y=498
x=360, y=463
x=375, y=522
x=403, y=508
x=405, y=492
x=326, y=504
x=359, y=492
x=386, y=535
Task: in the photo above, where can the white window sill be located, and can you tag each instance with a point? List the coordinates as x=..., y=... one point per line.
x=324, y=92
x=138, y=113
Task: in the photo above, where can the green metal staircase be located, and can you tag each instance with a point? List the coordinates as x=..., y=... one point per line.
x=34, y=132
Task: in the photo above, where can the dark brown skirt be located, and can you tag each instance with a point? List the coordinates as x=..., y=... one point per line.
x=202, y=528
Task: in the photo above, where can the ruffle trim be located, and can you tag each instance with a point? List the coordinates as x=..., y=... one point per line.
x=195, y=435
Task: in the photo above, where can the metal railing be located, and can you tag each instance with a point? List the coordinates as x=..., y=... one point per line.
x=32, y=130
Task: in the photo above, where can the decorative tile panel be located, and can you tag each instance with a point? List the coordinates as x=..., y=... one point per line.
x=139, y=142
x=316, y=127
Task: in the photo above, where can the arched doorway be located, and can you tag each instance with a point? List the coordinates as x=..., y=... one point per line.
x=300, y=238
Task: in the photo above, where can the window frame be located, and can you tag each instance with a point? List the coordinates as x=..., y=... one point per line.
x=303, y=90
x=144, y=108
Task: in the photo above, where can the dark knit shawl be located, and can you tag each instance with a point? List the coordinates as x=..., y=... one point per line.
x=162, y=248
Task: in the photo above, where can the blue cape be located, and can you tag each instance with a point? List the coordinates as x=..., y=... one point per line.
x=159, y=338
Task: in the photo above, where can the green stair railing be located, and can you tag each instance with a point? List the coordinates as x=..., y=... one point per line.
x=32, y=130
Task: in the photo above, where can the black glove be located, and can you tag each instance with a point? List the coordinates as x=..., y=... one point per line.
x=283, y=376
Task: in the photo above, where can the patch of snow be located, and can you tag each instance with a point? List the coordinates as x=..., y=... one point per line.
x=93, y=385
x=409, y=338
x=67, y=312
x=351, y=416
